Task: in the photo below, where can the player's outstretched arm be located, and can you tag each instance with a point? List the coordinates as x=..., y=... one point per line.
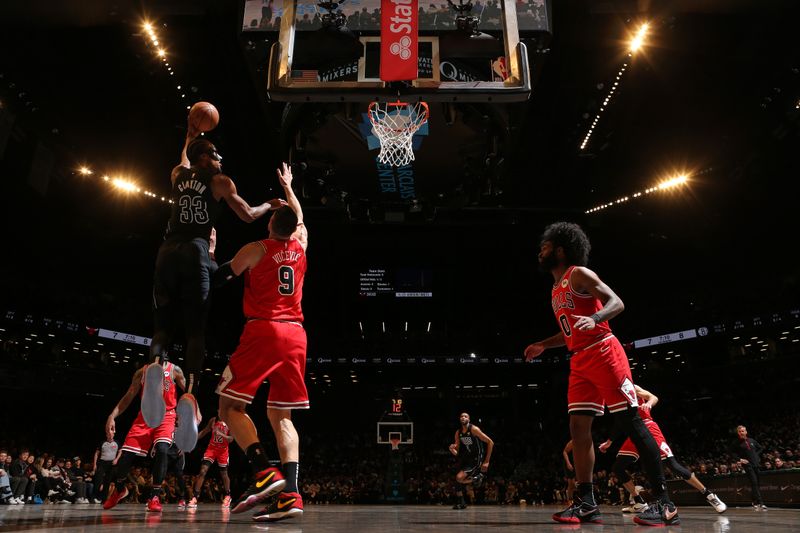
x=247, y=257
x=224, y=188
x=454, y=447
x=190, y=136
x=206, y=429
x=125, y=401
x=285, y=178
x=489, y=446
x=586, y=281
x=177, y=375
x=535, y=350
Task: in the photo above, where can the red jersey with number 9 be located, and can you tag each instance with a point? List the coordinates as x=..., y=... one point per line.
x=567, y=303
x=273, y=288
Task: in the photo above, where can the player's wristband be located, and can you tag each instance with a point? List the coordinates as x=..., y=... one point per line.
x=596, y=318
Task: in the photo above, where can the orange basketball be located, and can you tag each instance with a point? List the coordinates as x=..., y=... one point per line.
x=203, y=116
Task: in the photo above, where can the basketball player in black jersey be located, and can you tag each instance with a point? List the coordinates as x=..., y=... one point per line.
x=182, y=278
x=469, y=448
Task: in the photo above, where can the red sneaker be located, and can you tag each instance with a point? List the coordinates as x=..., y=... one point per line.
x=115, y=497
x=286, y=505
x=154, y=504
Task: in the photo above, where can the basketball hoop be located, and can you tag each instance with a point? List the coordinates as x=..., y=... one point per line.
x=395, y=442
x=394, y=124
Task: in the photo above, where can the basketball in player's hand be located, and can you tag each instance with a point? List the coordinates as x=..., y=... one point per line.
x=203, y=116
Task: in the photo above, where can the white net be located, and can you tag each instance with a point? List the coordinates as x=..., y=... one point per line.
x=394, y=124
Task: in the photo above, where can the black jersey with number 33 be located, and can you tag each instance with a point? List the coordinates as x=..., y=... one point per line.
x=194, y=209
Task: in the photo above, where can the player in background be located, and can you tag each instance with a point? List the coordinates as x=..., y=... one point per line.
x=183, y=270
x=216, y=452
x=141, y=439
x=468, y=446
x=628, y=454
x=599, y=373
x=569, y=471
x=273, y=347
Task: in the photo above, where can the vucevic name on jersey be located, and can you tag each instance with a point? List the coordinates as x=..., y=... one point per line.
x=194, y=209
x=568, y=303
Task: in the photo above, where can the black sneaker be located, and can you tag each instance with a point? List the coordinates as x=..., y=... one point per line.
x=580, y=512
x=460, y=506
x=286, y=505
x=659, y=514
x=266, y=484
x=477, y=480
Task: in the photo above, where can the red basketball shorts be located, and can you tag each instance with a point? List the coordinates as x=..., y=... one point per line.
x=600, y=377
x=216, y=454
x=141, y=438
x=273, y=351
x=629, y=448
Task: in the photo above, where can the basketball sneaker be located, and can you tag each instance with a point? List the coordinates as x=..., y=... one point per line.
x=192, y=503
x=460, y=506
x=154, y=504
x=152, y=404
x=115, y=497
x=226, y=502
x=188, y=416
x=718, y=505
x=477, y=480
x=266, y=484
x=286, y=505
x=181, y=505
x=636, y=507
x=659, y=514
x=580, y=512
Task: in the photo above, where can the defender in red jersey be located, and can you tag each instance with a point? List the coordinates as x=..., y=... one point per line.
x=216, y=452
x=142, y=439
x=272, y=347
x=628, y=454
x=599, y=373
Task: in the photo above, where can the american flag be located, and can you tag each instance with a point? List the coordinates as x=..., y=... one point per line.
x=305, y=75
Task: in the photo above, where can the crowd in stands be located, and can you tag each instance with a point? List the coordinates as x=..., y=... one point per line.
x=530, y=13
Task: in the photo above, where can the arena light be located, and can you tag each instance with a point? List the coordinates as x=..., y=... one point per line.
x=161, y=53
x=638, y=39
x=668, y=184
x=85, y=171
x=124, y=185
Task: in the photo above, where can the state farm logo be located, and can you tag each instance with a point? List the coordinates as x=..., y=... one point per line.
x=401, y=23
x=402, y=48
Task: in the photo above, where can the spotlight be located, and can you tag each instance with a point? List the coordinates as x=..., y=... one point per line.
x=638, y=39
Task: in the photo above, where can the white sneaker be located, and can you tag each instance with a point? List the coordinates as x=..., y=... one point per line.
x=13, y=501
x=635, y=508
x=763, y=507
x=718, y=505
x=63, y=501
x=96, y=500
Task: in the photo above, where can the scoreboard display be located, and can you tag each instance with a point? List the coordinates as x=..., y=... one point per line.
x=395, y=282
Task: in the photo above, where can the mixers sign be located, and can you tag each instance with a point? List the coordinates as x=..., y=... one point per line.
x=399, y=27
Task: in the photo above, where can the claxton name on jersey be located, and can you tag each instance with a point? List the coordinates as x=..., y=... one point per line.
x=402, y=17
x=563, y=300
x=286, y=255
x=191, y=184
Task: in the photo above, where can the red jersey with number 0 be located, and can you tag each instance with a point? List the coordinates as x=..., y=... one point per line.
x=566, y=304
x=273, y=288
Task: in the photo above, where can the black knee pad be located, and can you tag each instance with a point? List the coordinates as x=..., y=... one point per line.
x=621, y=465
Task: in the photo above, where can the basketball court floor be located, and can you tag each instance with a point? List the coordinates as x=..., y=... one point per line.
x=375, y=518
